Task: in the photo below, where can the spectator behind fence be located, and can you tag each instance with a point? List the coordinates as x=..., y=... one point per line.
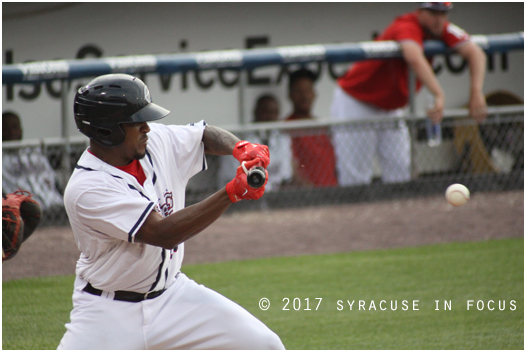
x=26, y=168
x=314, y=161
x=280, y=169
x=378, y=89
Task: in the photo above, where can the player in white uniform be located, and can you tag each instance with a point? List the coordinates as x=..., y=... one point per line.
x=125, y=202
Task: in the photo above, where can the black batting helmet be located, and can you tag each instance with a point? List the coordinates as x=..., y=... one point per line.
x=107, y=101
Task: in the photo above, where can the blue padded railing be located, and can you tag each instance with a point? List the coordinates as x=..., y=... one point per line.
x=42, y=71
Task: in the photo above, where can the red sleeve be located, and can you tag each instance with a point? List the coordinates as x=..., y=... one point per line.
x=454, y=36
x=405, y=31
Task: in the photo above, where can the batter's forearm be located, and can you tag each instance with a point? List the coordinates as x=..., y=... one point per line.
x=194, y=219
x=182, y=225
x=218, y=141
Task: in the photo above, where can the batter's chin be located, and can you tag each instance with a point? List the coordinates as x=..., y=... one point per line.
x=139, y=156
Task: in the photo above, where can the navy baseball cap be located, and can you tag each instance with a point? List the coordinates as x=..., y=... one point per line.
x=436, y=6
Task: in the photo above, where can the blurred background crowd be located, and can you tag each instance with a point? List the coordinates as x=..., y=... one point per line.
x=336, y=133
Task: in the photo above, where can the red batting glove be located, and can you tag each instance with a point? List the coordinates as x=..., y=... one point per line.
x=238, y=189
x=246, y=151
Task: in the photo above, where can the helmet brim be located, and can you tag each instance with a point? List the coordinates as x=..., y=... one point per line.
x=150, y=112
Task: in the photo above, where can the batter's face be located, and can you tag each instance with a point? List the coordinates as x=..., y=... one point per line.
x=432, y=21
x=134, y=146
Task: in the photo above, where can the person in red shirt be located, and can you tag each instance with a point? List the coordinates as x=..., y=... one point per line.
x=379, y=89
x=313, y=154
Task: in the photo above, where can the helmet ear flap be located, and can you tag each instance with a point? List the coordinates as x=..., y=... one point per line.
x=103, y=132
x=108, y=137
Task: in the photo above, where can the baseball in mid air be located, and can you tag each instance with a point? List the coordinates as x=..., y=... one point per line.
x=457, y=194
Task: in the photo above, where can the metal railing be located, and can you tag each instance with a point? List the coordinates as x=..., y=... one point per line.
x=67, y=70
x=34, y=72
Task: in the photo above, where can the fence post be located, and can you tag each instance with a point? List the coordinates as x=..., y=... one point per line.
x=412, y=123
x=241, y=97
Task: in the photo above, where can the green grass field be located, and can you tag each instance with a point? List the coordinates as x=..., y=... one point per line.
x=35, y=310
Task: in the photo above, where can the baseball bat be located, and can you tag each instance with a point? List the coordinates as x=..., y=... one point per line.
x=256, y=176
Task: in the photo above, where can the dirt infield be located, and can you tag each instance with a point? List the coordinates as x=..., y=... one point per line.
x=314, y=230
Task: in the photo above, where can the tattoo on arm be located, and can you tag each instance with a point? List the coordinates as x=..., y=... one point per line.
x=218, y=141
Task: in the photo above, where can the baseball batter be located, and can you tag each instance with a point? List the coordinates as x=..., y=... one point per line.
x=378, y=89
x=126, y=205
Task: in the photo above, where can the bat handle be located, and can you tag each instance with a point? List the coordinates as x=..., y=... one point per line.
x=256, y=176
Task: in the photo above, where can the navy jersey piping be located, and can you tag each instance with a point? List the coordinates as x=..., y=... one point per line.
x=80, y=167
x=135, y=189
x=139, y=221
x=149, y=157
x=154, y=178
x=159, y=271
x=204, y=156
x=90, y=169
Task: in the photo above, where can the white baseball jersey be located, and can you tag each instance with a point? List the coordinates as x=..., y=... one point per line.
x=107, y=206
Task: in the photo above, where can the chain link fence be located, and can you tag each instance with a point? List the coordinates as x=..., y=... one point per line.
x=485, y=157
x=304, y=166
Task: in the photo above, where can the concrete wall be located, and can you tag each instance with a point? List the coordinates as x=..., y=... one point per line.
x=47, y=31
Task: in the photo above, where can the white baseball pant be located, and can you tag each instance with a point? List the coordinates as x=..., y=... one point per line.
x=355, y=145
x=185, y=316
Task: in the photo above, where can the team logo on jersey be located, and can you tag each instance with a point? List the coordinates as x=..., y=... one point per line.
x=168, y=206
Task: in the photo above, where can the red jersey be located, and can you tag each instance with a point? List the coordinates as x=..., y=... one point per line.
x=315, y=156
x=384, y=83
x=135, y=169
